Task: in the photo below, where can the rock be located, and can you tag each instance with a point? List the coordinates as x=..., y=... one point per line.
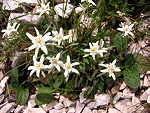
x=7, y=108
x=102, y=99
x=62, y=98
x=68, y=103
x=86, y=110
x=142, y=75
x=113, y=110
x=148, y=99
x=94, y=111
x=117, y=97
x=18, y=109
x=141, y=83
x=135, y=100
x=1, y=98
x=81, y=97
x=79, y=107
x=24, y=18
x=102, y=111
x=123, y=86
x=59, y=106
x=50, y=106
x=127, y=93
x=146, y=82
x=87, y=101
x=92, y=105
x=1, y=75
x=10, y=5
x=64, y=9
x=145, y=95
x=115, y=89
x=34, y=110
x=57, y=111
x=3, y=83
x=71, y=110
x=31, y=103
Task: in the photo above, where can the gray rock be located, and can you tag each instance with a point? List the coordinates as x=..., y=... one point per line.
x=7, y=108
x=1, y=75
x=102, y=99
x=82, y=99
x=146, y=82
x=57, y=111
x=135, y=100
x=1, y=98
x=102, y=111
x=18, y=109
x=123, y=86
x=92, y=105
x=117, y=97
x=127, y=93
x=68, y=103
x=10, y=5
x=145, y=95
x=71, y=110
x=86, y=110
x=24, y=18
x=113, y=110
x=115, y=89
x=79, y=107
x=148, y=99
x=62, y=98
x=59, y=106
x=3, y=83
x=50, y=106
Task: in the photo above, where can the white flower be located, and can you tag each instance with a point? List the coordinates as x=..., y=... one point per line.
x=44, y=8
x=37, y=66
x=79, y=9
x=85, y=21
x=126, y=29
x=64, y=9
x=55, y=62
x=10, y=29
x=95, y=48
x=89, y=1
x=59, y=37
x=69, y=67
x=110, y=68
x=39, y=41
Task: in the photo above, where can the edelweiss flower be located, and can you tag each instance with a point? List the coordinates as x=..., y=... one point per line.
x=37, y=66
x=10, y=29
x=64, y=9
x=58, y=37
x=39, y=41
x=110, y=68
x=89, y=1
x=44, y=8
x=55, y=62
x=127, y=29
x=68, y=67
x=96, y=49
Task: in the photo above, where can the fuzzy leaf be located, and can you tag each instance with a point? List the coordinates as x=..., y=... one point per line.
x=44, y=96
x=22, y=96
x=131, y=76
x=121, y=44
x=129, y=60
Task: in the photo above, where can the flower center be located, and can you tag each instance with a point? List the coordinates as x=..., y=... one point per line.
x=38, y=40
x=93, y=49
x=9, y=28
x=68, y=65
x=126, y=28
x=38, y=65
x=42, y=7
x=111, y=68
x=55, y=60
x=58, y=37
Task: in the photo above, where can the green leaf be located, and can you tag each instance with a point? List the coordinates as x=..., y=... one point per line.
x=121, y=44
x=44, y=96
x=131, y=76
x=129, y=60
x=142, y=62
x=22, y=96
